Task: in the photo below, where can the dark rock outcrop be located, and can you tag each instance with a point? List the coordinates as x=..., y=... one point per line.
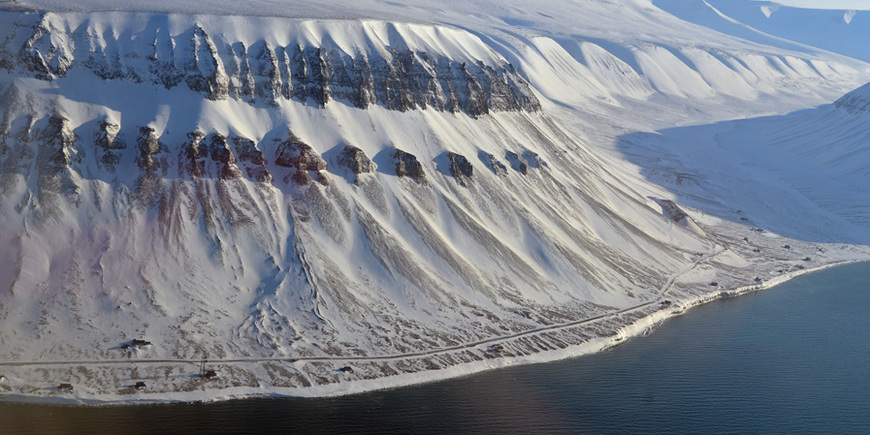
x=251, y=159
x=55, y=155
x=497, y=167
x=460, y=168
x=301, y=159
x=193, y=154
x=202, y=67
x=672, y=210
x=518, y=163
x=149, y=147
x=199, y=155
x=310, y=73
x=356, y=160
x=57, y=143
x=108, y=142
x=223, y=158
x=408, y=166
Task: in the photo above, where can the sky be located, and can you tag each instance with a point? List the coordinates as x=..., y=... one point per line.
x=823, y=4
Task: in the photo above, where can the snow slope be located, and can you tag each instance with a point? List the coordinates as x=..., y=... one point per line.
x=330, y=198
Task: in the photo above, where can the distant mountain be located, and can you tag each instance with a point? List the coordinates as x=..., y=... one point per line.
x=840, y=27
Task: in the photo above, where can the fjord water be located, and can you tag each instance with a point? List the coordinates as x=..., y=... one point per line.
x=792, y=359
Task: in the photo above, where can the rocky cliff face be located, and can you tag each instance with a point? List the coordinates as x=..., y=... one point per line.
x=315, y=72
x=356, y=161
x=300, y=159
x=460, y=168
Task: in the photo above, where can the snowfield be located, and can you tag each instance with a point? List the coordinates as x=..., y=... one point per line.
x=315, y=200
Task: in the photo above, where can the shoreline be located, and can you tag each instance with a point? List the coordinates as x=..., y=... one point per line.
x=635, y=327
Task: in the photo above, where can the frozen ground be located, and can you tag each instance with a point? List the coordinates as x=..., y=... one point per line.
x=628, y=163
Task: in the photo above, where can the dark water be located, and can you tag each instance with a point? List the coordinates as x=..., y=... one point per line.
x=793, y=359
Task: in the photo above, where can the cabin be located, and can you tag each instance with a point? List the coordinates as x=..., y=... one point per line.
x=135, y=343
x=139, y=385
x=666, y=303
x=346, y=369
x=65, y=387
x=209, y=374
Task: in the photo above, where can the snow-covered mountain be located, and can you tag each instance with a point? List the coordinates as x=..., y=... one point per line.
x=838, y=26
x=336, y=198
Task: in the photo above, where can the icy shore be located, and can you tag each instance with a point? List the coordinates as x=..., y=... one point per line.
x=361, y=374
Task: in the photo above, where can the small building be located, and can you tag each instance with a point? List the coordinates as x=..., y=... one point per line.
x=65, y=387
x=139, y=385
x=209, y=374
x=346, y=369
x=136, y=343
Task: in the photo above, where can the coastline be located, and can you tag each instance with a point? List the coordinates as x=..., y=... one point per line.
x=629, y=323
